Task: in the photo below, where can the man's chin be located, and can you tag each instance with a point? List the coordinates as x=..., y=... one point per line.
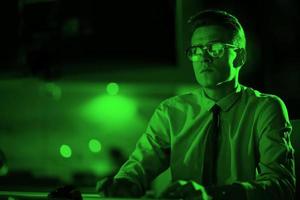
x=208, y=85
x=215, y=85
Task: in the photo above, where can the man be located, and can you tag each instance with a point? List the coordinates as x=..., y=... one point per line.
x=222, y=141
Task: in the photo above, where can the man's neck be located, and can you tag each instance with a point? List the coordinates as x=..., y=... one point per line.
x=222, y=90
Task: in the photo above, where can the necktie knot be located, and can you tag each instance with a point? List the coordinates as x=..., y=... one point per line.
x=216, y=109
x=216, y=115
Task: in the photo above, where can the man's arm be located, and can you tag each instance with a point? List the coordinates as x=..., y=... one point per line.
x=276, y=176
x=152, y=153
x=276, y=171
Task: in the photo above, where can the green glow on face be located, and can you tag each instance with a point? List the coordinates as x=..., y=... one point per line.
x=195, y=58
x=112, y=88
x=94, y=145
x=109, y=110
x=65, y=151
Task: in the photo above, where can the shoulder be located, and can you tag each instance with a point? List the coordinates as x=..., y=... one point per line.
x=174, y=107
x=182, y=100
x=260, y=97
x=264, y=101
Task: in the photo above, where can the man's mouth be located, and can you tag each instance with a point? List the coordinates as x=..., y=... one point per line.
x=207, y=70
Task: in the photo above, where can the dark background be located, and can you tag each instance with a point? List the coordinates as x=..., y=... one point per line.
x=52, y=39
x=49, y=38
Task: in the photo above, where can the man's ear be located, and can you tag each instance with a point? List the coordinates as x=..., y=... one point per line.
x=241, y=56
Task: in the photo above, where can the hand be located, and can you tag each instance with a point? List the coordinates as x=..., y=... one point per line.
x=110, y=187
x=185, y=190
x=65, y=192
x=103, y=185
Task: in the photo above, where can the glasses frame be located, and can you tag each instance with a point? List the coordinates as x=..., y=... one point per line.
x=206, y=48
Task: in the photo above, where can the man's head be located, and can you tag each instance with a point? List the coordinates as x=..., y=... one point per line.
x=217, y=48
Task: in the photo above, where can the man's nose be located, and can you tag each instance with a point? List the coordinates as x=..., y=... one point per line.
x=207, y=58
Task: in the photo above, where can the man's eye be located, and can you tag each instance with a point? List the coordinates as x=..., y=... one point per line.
x=216, y=47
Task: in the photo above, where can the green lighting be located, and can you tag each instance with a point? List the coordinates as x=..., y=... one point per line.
x=65, y=151
x=109, y=110
x=195, y=58
x=94, y=145
x=112, y=88
x=3, y=170
x=54, y=90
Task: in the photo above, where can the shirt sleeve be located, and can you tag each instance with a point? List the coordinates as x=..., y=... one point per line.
x=276, y=168
x=152, y=153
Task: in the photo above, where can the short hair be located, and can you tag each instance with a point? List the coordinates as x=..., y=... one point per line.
x=220, y=18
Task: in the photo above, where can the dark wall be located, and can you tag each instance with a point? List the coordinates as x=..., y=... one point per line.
x=50, y=39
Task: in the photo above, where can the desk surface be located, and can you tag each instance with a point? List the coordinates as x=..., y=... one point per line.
x=37, y=195
x=17, y=195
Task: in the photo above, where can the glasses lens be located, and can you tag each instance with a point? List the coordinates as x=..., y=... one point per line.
x=194, y=53
x=216, y=50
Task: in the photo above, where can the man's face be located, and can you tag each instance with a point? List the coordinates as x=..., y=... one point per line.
x=213, y=71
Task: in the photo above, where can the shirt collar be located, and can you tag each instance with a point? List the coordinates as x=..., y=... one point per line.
x=225, y=103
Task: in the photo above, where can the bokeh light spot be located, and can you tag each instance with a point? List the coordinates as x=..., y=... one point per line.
x=65, y=151
x=3, y=170
x=54, y=90
x=94, y=146
x=112, y=88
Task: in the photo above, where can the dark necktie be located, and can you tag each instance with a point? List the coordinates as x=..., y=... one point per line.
x=211, y=151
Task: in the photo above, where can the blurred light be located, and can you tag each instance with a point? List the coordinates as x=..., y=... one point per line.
x=102, y=167
x=65, y=151
x=110, y=110
x=54, y=90
x=94, y=145
x=112, y=88
x=3, y=170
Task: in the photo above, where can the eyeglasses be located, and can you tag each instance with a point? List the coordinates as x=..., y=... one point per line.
x=216, y=50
